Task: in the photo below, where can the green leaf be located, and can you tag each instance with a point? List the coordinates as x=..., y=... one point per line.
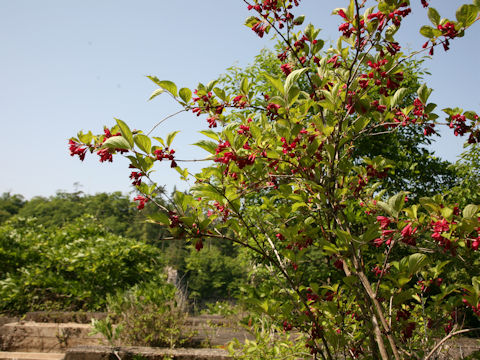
x=244, y=86
x=298, y=205
x=412, y=211
x=397, y=202
x=143, y=142
x=427, y=31
x=159, y=218
x=398, y=96
x=292, y=79
x=293, y=95
x=351, y=9
x=85, y=138
x=170, y=137
x=160, y=140
x=414, y=262
x=477, y=3
x=116, y=142
x=423, y=93
x=299, y=20
x=169, y=86
x=467, y=14
x=182, y=172
x=371, y=233
x=155, y=94
x=385, y=207
x=154, y=79
x=390, y=31
x=207, y=145
x=250, y=21
x=470, y=115
x=125, y=131
x=185, y=94
x=430, y=205
x=470, y=211
x=447, y=212
x=434, y=16
x=361, y=123
x=211, y=134
x=277, y=83
x=165, y=85
x=220, y=93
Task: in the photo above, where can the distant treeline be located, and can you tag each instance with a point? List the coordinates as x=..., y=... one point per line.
x=72, y=250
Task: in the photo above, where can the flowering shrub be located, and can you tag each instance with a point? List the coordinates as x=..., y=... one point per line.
x=285, y=184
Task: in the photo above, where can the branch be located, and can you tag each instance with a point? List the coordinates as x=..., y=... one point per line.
x=164, y=119
x=431, y=353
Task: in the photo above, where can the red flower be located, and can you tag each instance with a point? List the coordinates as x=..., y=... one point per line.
x=384, y=221
x=77, y=149
x=286, y=68
x=407, y=235
x=105, y=155
x=142, y=200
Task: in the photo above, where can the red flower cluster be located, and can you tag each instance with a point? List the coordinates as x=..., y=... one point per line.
x=408, y=235
x=136, y=177
x=142, y=200
x=381, y=77
x=286, y=68
x=345, y=27
x=239, y=101
x=458, y=123
x=448, y=30
x=377, y=271
x=223, y=210
x=174, y=219
x=207, y=104
x=475, y=243
x=300, y=245
x=268, y=8
x=379, y=108
x=161, y=154
x=439, y=227
x=334, y=60
x=105, y=155
x=77, y=149
x=272, y=111
x=395, y=16
x=387, y=234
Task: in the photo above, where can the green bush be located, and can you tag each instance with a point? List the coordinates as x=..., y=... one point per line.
x=212, y=276
x=68, y=268
x=150, y=314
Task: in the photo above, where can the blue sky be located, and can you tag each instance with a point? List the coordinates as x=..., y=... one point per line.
x=74, y=65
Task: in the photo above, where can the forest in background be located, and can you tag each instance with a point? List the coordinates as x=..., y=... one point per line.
x=71, y=251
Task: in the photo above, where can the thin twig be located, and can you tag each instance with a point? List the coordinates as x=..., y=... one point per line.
x=164, y=119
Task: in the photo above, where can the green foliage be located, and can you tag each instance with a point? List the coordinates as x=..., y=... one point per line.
x=153, y=313
x=10, y=205
x=108, y=329
x=72, y=267
x=467, y=183
x=212, y=275
x=271, y=342
x=113, y=211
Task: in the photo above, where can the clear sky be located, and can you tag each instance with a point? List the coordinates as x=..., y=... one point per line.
x=73, y=65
